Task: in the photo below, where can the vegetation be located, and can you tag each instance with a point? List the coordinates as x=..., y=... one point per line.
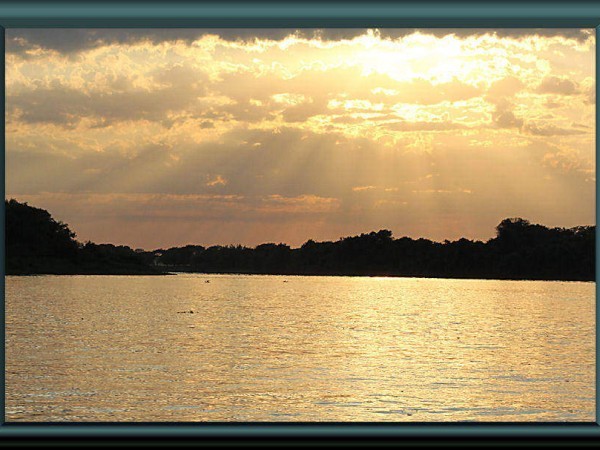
x=35, y=243
x=520, y=250
x=38, y=244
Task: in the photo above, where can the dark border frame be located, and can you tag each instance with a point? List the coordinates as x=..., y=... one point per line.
x=297, y=14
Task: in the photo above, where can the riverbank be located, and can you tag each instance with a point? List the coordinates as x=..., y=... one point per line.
x=60, y=266
x=184, y=269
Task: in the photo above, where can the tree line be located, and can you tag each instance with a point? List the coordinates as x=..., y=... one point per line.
x=520, y=250
x=36, y=243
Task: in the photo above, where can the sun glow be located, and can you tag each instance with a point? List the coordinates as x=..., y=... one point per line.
x=436, y=123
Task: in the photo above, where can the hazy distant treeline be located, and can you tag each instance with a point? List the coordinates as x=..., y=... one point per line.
x=36, y=243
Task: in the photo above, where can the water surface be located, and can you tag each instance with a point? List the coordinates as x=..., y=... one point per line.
x=273, y=348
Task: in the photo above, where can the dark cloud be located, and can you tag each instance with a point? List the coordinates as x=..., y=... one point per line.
x=581, y=126
x=69, y=41
x=302, y=112
x=244, y=111
x=551, y=130
x=504, y=118
x=556, y=85
x=501, y=95
x=66, y=106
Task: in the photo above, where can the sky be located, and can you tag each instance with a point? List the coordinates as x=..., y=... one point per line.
x=161, y=138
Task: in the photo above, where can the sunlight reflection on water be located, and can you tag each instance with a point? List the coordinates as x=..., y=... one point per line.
x=252, y=348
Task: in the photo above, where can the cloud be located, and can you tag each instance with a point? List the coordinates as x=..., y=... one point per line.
x=503, y=116
x=552, y=130
x=505, y=88
x=301, y=204
x=423, y=126
x=363, y=188
x=501, y=94
x=236, y=138
x=216, y=181
x=190, y=207
x=63, y=105
x=507, y=119
x=557, y=85
x=563, y=160
x=71, y=41
x=443, y=191
x=416, y=91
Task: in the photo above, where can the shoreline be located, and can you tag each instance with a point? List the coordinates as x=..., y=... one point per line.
x=175, y=272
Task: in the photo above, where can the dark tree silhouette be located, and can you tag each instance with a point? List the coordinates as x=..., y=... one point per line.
x=32, y=232
x=520, y=250
x=36, y=243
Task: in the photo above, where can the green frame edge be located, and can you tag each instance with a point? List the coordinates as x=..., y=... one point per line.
x=297, y=14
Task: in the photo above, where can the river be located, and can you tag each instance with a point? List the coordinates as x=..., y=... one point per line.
x=193, y=347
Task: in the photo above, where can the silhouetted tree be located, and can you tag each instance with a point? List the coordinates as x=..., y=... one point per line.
x=519, y=250
x=36, y=243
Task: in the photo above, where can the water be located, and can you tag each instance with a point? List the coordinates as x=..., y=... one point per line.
x=272, y=348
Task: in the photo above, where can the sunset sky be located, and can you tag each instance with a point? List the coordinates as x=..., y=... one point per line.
x=160, y=138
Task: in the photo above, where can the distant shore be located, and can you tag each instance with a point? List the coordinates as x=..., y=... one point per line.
x=177, y=271
x=38, y=244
